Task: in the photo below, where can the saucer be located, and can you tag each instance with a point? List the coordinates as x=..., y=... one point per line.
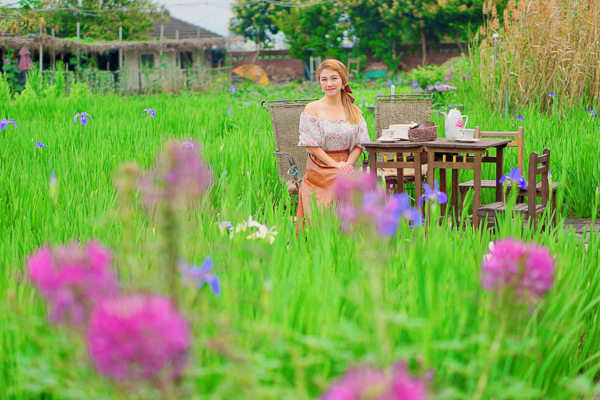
x=388, y=139
x=468, y=140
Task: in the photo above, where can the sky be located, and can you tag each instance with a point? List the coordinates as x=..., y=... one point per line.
x=213, y=15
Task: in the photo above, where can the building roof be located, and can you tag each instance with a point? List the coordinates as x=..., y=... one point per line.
x=186, y=30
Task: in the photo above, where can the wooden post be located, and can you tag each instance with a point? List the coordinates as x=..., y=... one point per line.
x=120, y=50
x=53, y=56
x=162, y=35
x=78, y=58
x=177, y=35
x=41, y=55
x=198, y=33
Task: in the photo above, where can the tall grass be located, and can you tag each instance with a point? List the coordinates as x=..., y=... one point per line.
x=542, y=47
x=293, y=316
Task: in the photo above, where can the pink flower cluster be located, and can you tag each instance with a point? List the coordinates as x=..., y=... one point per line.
x=73, y=279
x=525, y=267
x=138, y=336
x=179, y=175
x=129, y=336
x=370, y=383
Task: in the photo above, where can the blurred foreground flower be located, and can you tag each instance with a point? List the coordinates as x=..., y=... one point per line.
x=374, y=384
x=525, y=267
x=151, y=112
x=83, y=118
x=198, y=276
x=137, y=337
x=515, y=178
x=72, y=279
x=359, y=199
x=188, y=145
x=179, y=175
x=4, y=123
x=434, y=194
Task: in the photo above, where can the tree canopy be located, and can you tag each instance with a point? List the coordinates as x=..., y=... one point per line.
x=376, y=27
x=98, y=19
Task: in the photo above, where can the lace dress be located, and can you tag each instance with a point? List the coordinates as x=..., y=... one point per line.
x=337, y=139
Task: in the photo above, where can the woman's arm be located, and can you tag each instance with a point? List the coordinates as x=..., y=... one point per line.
x=320, y=153
x=354, y=154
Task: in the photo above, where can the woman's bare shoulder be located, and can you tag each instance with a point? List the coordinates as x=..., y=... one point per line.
x=312, y=107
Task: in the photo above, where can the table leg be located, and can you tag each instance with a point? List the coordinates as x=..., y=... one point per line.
x=443, y=187
x=400, y=175
x=455, y=196
x=430, y=169
x=477, y=189
x=418, y=176
x=373, y=162
x=499, y=168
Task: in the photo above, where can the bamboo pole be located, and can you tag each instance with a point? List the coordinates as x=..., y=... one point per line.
x=78, y=57
x=162, y=35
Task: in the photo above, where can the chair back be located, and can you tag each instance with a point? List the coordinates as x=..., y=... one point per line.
x=538, y=165
x=353, y=70
x=401, y=109
x=285, y=118
x=518, y=141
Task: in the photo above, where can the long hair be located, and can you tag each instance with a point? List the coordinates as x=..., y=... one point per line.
x=352, y=112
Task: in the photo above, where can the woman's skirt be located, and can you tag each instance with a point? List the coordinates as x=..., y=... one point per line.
x=318, y=181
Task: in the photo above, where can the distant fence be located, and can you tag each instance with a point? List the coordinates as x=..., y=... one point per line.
x=146, y=80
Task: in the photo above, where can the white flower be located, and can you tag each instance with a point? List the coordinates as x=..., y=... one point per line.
x=244, y=225
x=264, y=233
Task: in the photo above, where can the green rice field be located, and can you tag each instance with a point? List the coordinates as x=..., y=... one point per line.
x=296, y=314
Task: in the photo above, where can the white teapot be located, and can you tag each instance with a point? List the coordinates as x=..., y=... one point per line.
x=454, y=124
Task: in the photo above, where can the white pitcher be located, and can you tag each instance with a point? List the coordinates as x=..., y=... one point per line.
x=454, y=124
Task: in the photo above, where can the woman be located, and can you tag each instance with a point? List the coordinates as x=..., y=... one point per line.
x=332, y=130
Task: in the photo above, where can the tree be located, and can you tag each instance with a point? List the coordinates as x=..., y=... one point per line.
x=255, y=22
x=98, y=20
x=21, y=17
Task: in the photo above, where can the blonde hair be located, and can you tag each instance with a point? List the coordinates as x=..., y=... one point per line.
x=352, y=112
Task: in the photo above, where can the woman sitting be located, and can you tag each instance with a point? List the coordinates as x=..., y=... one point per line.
x=332, y=130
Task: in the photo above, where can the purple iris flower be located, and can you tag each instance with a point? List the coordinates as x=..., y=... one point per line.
x=188, y=145
x=516, y=177
x=151, y=112
x=201, y=275
x=399, y=80
x=83, y=118
x=521, y=118
x=4, y=123
x=592, y=112
x=389, y=83
x=230, y=111
x=415, y=84
x=39, y=144
x=363, y=99
x=433, y=194
x=552, y=95
x=232, y=89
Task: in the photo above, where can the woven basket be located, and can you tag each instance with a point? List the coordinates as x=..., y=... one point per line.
x=427, y=132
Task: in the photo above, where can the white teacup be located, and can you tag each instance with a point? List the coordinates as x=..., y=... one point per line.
x=468, y=134
x=387, y=133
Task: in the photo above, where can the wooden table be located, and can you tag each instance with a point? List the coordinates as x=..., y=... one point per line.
x=451, y=158
x=398, y=148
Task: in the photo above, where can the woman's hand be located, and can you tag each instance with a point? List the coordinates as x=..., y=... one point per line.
x=344, y=166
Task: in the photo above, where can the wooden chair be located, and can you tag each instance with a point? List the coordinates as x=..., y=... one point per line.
x=538, y=165
x=356, y=63
x=291, y=159
x=400, y=109
x=518, y=142
x=314, y=64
